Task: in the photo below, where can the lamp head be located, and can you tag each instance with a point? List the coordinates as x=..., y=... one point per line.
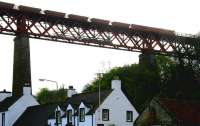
x=41, y=79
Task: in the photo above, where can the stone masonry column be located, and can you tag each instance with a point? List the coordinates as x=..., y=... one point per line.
x=21, y=66
x=147, y=59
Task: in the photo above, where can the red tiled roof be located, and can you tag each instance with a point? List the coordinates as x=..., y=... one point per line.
x=185, y=112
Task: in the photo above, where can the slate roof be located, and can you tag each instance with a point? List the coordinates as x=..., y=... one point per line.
x=184, y=111
x=8, y=102
x=89, y=99
x=36, y=115
x=4, y=91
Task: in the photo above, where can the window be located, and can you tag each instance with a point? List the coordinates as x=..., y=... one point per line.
x=3, y=119
x=69, y=116
x=129, y=116
x=58, y=117
x=105, y=114
x=82, y=114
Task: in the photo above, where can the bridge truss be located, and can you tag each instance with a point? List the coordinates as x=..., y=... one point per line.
x=74, y=29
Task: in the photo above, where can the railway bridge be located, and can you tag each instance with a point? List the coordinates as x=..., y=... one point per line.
x=27, y=22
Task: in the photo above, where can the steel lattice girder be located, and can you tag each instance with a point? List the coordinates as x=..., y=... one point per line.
x=78, y=30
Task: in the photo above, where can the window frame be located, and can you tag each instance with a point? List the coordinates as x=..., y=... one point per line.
x=58, y=118
x=127, y=116
x=69, y=120
x=105, y=111
x=3, y=119
x=82, y=114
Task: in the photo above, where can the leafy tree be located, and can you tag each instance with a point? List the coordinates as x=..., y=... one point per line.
x=50, y=96
x=169, y=79
x=141, y=84
x=182, y=81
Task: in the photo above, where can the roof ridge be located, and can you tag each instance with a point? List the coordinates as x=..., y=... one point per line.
x=179, y=100
x=91, y=92
x=47, y=104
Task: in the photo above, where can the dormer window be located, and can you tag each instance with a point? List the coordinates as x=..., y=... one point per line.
x=82, y=115
x=69, y=116
x=58, y=117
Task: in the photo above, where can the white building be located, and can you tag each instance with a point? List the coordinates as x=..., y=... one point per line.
x=12, y=107
x=84, y=110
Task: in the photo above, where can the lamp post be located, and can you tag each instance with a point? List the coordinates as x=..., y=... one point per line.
x=56, y=93
x=52, y=82
x=99, y=75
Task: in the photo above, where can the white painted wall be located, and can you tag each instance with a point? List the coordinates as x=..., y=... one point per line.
x=88, y=118
x=15, y=111
x=87, y=122
x=52, y=122
x=59, y=109
x=83, y=106
x=69, y=107
x=118, y=104
x=4, y=95
x=64, y=121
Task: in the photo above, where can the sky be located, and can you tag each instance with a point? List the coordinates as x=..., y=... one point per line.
x=77, y=65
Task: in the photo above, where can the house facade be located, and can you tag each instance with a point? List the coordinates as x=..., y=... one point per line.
x=170, y=112
x=12, y=107
x=112, y=108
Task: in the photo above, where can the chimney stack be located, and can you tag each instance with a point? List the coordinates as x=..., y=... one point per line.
x=116, y=83
x=26, y=90
x=71, y=91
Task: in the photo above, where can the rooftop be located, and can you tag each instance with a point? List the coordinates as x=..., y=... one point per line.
x=187, y=112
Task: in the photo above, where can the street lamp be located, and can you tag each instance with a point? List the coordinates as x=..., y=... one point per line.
x=51, y=81
x=56, y=93
x=99, y=75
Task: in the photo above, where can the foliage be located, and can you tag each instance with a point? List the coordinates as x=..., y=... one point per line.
x=182, y=81
x=136, y=80
x=50, y=96
x=169, y=79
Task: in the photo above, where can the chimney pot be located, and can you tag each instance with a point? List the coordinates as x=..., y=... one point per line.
x=71, y=87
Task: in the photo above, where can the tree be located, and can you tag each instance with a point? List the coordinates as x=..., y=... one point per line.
x=182, y=80
x=141, y=84
x=51, y=96
x=169, y=79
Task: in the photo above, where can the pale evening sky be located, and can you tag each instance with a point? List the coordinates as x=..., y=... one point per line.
x=76, y=65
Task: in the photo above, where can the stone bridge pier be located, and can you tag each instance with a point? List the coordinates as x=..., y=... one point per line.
x=21, y=65
x=147, y=59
